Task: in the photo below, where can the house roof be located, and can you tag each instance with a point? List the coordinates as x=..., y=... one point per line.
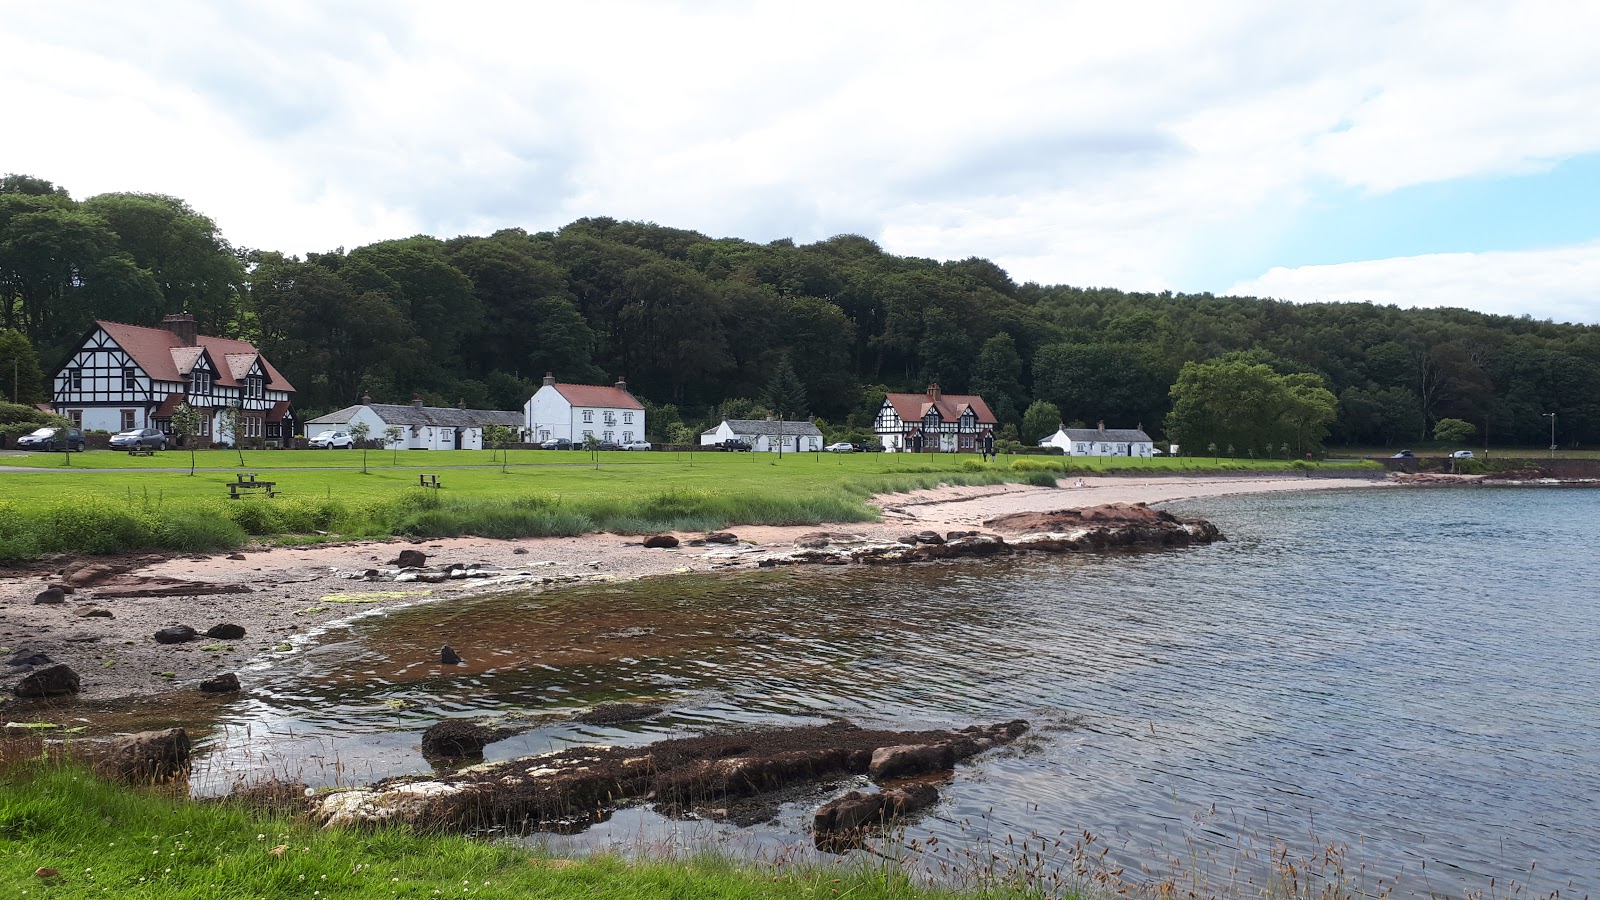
x=278, y=412
x=912, y=407
x=169, y=405
x=599, y=395
x=431, y=416
x=771, y=427
x=164, y=356
x=1114, y=435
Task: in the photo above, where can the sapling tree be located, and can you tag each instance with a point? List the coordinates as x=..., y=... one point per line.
x=231, y=420
x=186, y=425
x=359, y=431
x=391, y=436
x=497, y=437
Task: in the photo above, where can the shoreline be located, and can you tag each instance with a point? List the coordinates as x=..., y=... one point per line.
x=285, y=597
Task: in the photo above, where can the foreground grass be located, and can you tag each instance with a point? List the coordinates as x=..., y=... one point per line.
x=118, y=842
x=561, y=494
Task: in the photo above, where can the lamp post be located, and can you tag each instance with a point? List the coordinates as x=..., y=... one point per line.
x=1552, y=417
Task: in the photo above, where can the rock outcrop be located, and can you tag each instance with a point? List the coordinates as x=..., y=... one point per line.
x=567, y=786
x=146, y=757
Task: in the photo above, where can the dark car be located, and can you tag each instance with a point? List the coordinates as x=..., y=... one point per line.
x=52, y=438
x=869, y=447
x=608, y=445
x=734, y=445
x=556, y=444
x=139, y=439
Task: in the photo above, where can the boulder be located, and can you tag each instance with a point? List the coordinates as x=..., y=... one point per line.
x=410, y=559
x=911, y=759
x=225, y=632
x=721, y=537
x=50, y=681
x=456, y=739
x=175, y=634
x=615, y=713
x=29, y=658
x=87, y=575
x=661, y=542
x=857, y=810
x=146, y=757
x=448, y=656
x=226, y=683
x=236, y=556
x=954, y=535
x=51, y=595
x=93, y=612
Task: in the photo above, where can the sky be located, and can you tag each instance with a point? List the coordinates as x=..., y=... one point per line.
x=1420, y=154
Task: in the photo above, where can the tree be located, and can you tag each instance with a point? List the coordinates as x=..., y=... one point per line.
x=681, y=434
x=785, y=392
x=186, y=425
x=391, y=436
x=1040, y=421
x=359, y=431
x=997, y=376
x=229, y=420
x=1248, y=405
x=19, y=368
x=498, y=436
x=1453, y=431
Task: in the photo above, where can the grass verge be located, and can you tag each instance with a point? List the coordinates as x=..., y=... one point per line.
x=104, y=840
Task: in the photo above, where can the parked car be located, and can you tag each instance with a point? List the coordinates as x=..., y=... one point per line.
x=1404, y=454
x=1462, y=454
x=556, y=444
x=841, y=447
x=636, y=445
x=733, y=445
x=52, y=438
x=869, y=447
x=332, y=440
x=139, y=439
x=608, y=445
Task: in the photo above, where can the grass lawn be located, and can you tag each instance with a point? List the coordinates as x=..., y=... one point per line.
x=130, y=503
x=107, y=841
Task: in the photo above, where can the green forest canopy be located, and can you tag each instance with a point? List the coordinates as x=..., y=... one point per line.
x=702, y=325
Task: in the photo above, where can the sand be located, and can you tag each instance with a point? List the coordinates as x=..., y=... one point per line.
x=289, y=588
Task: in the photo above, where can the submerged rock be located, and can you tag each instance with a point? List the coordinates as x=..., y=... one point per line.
x=857, y=810
x=448, y=656
x=459, y=739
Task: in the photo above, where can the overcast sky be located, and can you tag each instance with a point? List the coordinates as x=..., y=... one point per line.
x=1438, y=154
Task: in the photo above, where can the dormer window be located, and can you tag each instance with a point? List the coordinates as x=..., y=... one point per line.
x=930, y=422
x=254, y=386
x=201, y=383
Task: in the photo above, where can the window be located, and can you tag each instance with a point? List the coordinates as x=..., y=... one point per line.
x=254, y=386
x=627, y=418
x=75, y=416
x=544, y=434
x=252, y=427
x=611, y=435
x=205, y=425
x=130, y=379
x=587, y=434
x=127, y=420
x=201, y=383
x=611, y=417
x=627, y=437
x=272, y=429
x=75, y=379
x=588, y=416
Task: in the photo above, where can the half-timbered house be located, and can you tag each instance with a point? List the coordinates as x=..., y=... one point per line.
x=123, y=377
x=934, y=422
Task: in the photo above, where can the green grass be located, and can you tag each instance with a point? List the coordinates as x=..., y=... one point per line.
x=109, y=841
x=128, y=507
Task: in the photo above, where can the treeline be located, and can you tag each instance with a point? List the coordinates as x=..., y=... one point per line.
x=703, y=327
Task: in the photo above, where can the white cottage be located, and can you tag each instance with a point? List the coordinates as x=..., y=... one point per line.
x=1100, y=441
x=123, y=377
x=579, y=411
x=421, y=427
x=766, y=435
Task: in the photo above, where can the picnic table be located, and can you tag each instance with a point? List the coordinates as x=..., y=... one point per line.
x=249, y=482
x=428, y=481
x=142, y=451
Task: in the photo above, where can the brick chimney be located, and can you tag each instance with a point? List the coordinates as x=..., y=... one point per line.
x=183, y=325
x=933, y=391
x=622, y=384
x=416, y=401
x=461, y=403
x=366, y=399
x=549, y=379
x=1102, y=426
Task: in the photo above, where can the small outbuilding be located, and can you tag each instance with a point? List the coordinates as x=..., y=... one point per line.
x=766, y=435
x=1101, y=441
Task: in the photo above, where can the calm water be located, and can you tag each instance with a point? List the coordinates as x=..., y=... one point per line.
x=1413, y=673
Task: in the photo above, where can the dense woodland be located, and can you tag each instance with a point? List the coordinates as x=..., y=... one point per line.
x=703, y=327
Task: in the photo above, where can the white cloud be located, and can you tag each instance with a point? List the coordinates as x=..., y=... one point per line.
x=1561, y=284
x=1087, y=143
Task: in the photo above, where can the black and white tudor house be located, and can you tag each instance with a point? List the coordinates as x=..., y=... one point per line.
x=123, y=377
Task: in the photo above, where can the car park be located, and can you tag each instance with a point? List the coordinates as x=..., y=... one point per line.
x=332, y=440
x=841, y=447
x=139, y=439
x=636, y=445
x=1462, y=454
x=52, y=438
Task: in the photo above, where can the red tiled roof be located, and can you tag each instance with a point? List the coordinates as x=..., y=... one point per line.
x=912, y=407
x=278, y=411
x=164, y=357
x=603, y=396
x=168, y=406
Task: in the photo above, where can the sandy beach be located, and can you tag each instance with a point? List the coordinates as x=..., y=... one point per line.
x=278, y=594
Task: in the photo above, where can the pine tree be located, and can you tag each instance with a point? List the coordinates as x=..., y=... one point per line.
x=786, y=393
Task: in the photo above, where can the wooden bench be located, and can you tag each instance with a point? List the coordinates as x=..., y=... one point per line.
x=247, y=483
x=142, y=451
x=428, y=481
